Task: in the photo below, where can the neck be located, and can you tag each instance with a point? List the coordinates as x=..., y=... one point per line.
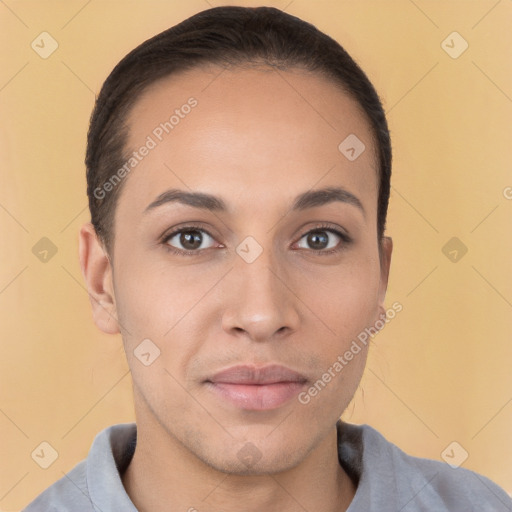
x=164, y=476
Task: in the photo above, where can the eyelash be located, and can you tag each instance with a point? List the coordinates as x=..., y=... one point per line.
x=346, y=240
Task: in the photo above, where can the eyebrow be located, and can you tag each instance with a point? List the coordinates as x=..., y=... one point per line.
x=309, y=199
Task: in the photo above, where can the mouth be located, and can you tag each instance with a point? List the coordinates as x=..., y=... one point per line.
x=256, y=388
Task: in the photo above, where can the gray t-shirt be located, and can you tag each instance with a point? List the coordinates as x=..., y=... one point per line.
x=387, y=479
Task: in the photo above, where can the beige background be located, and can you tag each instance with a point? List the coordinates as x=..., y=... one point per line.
x=438, y=373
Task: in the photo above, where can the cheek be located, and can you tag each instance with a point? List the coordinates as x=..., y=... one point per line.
x=347, y=306
x=162, y=303
x=346, y=298
x=152, y=295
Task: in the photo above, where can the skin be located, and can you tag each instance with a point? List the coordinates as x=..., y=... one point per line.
x=257, y=139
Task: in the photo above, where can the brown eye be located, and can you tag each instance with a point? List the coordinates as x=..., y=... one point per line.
x=317, y=240
x=324, y=240
x=188, y=239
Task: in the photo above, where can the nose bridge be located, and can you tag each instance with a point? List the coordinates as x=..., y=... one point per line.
x=262, y=303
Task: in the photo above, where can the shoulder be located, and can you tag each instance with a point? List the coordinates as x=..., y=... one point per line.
x=66, y=494
x=96, y=479
x=411, y=483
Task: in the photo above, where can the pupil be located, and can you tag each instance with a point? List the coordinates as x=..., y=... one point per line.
x=318, y=240
x=191, y=241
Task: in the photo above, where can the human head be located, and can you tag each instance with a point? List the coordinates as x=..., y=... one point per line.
x=262, y=134
x=224, y=36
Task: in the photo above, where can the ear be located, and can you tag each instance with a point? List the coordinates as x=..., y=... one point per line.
x=97, y=271
x=386, y=248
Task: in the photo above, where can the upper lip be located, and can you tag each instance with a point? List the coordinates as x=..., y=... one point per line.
x=249, y=374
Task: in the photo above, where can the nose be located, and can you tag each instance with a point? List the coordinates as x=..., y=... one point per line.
x=262, y=304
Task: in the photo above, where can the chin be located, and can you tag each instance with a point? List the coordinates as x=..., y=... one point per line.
x=255, y=457
x=266, y=465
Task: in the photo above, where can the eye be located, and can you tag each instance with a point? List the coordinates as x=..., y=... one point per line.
x=192, y=240
x=187, y=240
x=325, y=240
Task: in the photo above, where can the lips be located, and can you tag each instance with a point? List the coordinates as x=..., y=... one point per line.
x=246, y=374
x=256, y=388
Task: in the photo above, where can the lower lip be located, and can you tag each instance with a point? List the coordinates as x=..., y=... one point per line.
x=257, y=397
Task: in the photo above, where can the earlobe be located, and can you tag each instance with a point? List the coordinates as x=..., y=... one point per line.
x=97, y=272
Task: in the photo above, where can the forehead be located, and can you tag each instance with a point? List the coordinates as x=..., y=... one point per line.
x=265, y=133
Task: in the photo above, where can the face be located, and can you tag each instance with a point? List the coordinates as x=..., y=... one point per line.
x=255, y=277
